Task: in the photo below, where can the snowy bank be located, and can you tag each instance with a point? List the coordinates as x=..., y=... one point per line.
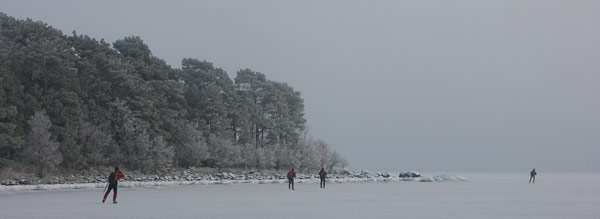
x=229, y=178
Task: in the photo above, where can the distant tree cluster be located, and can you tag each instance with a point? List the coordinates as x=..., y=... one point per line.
x=75, y=102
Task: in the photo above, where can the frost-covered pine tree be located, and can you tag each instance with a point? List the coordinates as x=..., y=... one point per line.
x=162, y=153
x=133, y=138
x=40, y=148
x=95, y=143
x=222, y=152
x=266, y=158
x=192, y=149
x=308, y=157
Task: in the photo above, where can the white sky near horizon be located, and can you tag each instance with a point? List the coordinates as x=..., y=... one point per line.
x=393, y=85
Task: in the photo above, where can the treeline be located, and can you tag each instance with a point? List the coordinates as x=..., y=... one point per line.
x=74, y=102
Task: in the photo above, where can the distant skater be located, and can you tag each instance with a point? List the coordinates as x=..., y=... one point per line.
x=322, y=175
x=532, y=177
x=291, y=175
x=113, y=180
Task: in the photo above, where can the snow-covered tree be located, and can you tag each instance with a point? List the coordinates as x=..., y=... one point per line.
x=191, y=149
x=40, y=148
x=95, y=143
x=120, y=105
x=161, y=153
x=132, y=137
x=222, y=153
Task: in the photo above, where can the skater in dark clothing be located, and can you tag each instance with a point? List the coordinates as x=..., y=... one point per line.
x=113, y=180
x=532, y=176
x=322, y=175
x=291, y=175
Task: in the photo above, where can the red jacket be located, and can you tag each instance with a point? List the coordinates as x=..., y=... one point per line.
x=291, y=175
x=115, y=177
x=119, y=176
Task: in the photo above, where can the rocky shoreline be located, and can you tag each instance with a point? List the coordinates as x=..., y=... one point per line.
x=202, y=176
x=194, y=174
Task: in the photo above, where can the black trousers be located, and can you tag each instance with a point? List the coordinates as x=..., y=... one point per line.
x=111, y=187
x=532, y=177
x=322, y=183
x=291, y=184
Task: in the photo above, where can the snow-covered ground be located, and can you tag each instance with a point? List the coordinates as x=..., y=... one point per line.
x=499, y=195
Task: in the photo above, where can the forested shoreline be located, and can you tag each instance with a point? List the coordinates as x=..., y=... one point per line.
x=71, y=102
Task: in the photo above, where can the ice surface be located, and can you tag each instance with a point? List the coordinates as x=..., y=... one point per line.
x=483, y=196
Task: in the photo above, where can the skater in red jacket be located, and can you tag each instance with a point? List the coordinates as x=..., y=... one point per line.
x=291, y=175
x=113, y=180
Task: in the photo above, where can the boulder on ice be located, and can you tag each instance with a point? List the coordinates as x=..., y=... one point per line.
x=409, y=174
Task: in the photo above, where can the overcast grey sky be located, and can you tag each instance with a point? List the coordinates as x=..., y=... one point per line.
x=393, y=85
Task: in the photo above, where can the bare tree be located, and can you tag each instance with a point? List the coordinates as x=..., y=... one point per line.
x=336, y=161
